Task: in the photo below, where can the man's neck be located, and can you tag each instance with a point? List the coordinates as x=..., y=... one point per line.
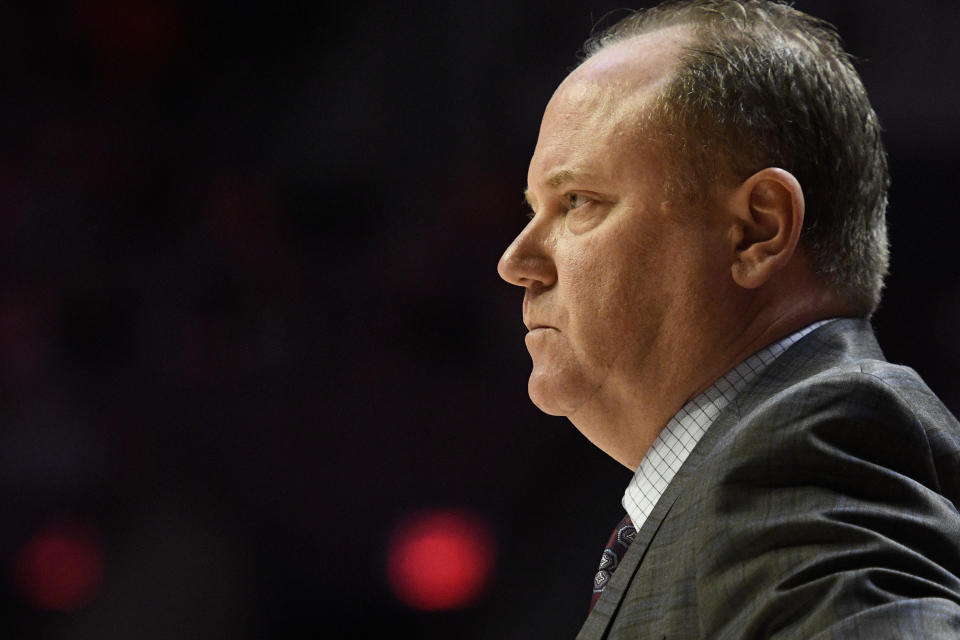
x=624, y=422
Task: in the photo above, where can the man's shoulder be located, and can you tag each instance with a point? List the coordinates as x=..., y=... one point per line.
x=839, y=373
x=842, y=367
x=858, y=385
x=850, y=421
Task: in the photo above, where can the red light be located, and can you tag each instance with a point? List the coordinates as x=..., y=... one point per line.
x=60, y=569
x=440, y=560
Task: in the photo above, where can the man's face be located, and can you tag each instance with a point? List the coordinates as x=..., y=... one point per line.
x=616, y=277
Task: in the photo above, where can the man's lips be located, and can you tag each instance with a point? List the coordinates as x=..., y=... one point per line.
x=534, y=326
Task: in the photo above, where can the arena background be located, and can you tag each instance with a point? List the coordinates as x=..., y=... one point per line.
x=250, y=321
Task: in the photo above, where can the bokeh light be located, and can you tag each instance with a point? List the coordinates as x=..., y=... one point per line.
x=60, y=568
x=440, y=560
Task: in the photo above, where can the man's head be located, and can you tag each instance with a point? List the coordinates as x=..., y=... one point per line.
x=651, y=265
x=765, y=85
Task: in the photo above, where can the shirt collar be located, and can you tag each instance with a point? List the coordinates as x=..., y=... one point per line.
x=684, y=430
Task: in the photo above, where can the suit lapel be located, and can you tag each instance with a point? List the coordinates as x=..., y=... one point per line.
x=603, y=612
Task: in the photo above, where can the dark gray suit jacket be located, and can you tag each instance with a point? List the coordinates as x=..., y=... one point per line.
x=822, y=503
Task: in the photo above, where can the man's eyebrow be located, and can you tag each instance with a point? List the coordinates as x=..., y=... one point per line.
x=560, y=176
x=555, y=179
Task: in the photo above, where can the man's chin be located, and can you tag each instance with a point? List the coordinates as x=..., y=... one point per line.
x=546, y=396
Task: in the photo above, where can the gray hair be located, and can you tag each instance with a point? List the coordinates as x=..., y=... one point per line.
x=767, y=85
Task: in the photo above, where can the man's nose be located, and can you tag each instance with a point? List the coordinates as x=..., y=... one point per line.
x=528, y=262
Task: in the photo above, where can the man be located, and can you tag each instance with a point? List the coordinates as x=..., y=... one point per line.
x=706, y=247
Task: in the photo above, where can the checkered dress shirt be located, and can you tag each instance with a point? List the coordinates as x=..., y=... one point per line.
x=685, y=429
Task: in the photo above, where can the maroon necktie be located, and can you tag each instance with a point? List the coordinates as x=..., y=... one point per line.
x=618, y=544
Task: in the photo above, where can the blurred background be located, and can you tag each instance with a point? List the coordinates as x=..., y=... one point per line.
x=255, y=358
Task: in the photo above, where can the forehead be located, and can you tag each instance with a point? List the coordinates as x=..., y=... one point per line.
x=594, y=111
x=640, y=63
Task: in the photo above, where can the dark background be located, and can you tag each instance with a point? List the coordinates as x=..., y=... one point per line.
x=250, y=316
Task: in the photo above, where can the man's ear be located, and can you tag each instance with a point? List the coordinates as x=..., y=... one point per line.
x=768, y=216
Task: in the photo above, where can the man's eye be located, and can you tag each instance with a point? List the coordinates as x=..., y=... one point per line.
x=576, y=200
